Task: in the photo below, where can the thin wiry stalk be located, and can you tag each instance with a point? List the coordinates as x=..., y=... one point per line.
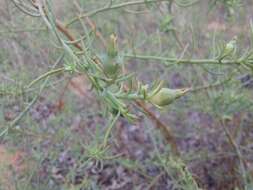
x=22, y=30
x=111, y=7
x=91, y=24
x=169, y=61
x=242, y=162
x=24, y=8
x=186, y=3
x=46, y=75
x=109, y=129
x=28, y=107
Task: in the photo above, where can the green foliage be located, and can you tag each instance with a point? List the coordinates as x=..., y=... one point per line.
x=119, y=81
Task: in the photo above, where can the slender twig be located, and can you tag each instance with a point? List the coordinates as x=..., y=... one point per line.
x=92, y=25
x=24, y=8
x=109, y=129
x=68, y=34
x=47, y=74
x=21, y=115
x=184, y=3
x=107, y=8
x=22, y=30
x=165, y=130
x=213, y=85
x=155, y=181
x=28, y=107
x=174, y=32
x=242, y=162
x=167, y=60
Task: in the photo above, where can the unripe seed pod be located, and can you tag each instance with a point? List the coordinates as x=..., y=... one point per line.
x=112, y=49
x=230, y=47
x=166, y=96
x=111, y=69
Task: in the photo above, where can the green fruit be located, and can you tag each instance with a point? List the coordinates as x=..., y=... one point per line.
x=111, y=70
x=112, y=49
x=230, y=47
x=166, y=96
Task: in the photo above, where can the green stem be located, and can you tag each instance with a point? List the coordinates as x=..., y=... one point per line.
x=18, y=118
x=47, y=74
x=185, y=61
x=106, y=8
x=22, y=30
x=109, y=129
x=217, y=84
x=186, y=4
x=191, y=90
x=28, y=107
x=130, y=96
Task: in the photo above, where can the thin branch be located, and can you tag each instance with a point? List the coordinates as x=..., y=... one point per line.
x=28, y=107
x=47, y=74
x=167, y=60
x=24, y=8
x=106, y=8
x=165, y=130
x=68, y=34
x=242, y=162
x=92, y=25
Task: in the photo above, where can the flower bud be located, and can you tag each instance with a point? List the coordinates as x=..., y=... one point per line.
x=111, y=70
x=166, y=96
x=230, y=47
x=112, y=49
